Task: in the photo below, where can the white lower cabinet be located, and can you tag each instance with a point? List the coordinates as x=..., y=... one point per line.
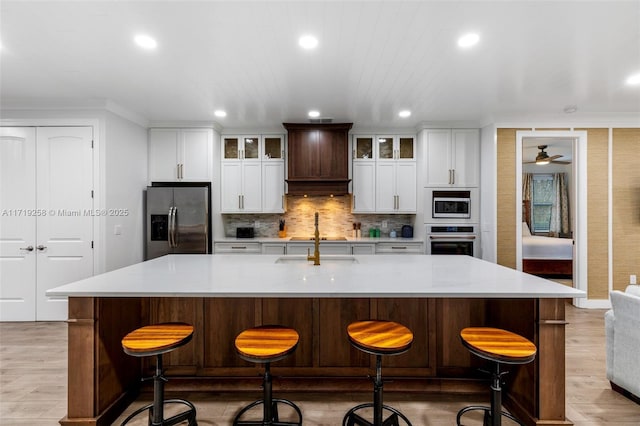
x=238, y=247
x=363, y=249
x=274, y=248
x=400, y=248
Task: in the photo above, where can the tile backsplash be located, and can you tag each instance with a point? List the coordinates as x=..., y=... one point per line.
x=335, y=219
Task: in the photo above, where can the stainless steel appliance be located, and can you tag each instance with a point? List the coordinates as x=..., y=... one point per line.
x=453, y=239
x=451, y=204
x=177, y=219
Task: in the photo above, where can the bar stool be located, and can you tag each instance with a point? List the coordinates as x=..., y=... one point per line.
x=500, y=347
x=264, y=345
x=378, y=338
x=156, y=340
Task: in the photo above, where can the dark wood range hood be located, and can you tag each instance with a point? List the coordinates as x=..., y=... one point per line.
x=318, y=158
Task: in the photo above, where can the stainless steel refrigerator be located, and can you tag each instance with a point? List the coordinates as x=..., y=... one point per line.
x=177, y=220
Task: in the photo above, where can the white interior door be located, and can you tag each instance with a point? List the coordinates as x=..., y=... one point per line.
x=65, y=232
x=17, y=224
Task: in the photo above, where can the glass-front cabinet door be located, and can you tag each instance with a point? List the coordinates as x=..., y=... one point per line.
x=386, y=149
x=363, y=147
x=406, y=148
x=231, y=147
x=251, y=148
x=273, y=147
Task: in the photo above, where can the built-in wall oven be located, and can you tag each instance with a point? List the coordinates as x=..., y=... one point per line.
x=453, y=239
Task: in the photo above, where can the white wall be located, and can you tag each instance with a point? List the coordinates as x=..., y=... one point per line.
x=125, y=178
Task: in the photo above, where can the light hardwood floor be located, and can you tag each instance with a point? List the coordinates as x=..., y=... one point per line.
x=33, y=372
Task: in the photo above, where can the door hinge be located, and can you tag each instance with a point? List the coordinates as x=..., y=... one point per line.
x=91, y=244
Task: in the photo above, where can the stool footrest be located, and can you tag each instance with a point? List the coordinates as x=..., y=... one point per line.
x=189, y=414
x=275, y=420
x=487, y=414
x=352, y=418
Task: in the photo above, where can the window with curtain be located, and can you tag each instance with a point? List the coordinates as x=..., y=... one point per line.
x=542, y=197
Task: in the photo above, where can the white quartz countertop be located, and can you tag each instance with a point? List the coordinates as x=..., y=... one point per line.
x=201, y=275
x=287, y=240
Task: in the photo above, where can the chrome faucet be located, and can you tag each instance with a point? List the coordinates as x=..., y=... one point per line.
x=316, y=244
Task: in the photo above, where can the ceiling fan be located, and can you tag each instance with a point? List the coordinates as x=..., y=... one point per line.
x=543, y=158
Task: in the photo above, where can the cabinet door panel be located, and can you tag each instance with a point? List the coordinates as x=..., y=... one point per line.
x=163, y=153
x=251, y=187
x=438, y=157
x=466, y=156
x=385, y=187
x=413, y=314
x=453, y=357
x=273, y=186
x=231, y=186
x=299, y=315
x=196, y=154
x=364, y=181
x=224, y=319
x=406, y=187
x=303, y=154
x=334, y=347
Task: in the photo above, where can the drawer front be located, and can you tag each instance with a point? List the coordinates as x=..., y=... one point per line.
x=301, y=248
x=399, y=248
x=239, y=247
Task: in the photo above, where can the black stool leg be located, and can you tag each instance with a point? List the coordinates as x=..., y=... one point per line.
x=353, y=419
x=156, y=409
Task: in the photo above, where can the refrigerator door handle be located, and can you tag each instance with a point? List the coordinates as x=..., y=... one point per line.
x=171, y=224
x=175, y=226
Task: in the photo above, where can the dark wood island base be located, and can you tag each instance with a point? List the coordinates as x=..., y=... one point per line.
x=103, y=380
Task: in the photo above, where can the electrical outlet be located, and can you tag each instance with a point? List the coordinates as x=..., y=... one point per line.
x=633, y=279
x=384, y=224
x=117, y=230
x=256, y=224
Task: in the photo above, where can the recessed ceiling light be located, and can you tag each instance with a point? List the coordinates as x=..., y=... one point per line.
x=145, y=41
x=404, y=113
x=634, y=80
x=314, y=114
x=308, y=42
x=468, y=40
x=220, y=113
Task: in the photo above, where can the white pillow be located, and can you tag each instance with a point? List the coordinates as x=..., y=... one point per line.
x=525, y=230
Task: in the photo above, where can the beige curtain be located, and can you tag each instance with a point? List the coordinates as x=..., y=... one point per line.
x=527, y=193
x=560, y=224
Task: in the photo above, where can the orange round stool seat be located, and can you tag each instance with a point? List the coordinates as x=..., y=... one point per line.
x=500, y=347
x=264, y=345
x=156, y=340
x=378, y=338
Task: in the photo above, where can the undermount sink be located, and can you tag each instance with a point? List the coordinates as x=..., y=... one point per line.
x=329, y=258
x=321, y=239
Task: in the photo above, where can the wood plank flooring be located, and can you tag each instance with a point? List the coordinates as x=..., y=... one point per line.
x=33, y=372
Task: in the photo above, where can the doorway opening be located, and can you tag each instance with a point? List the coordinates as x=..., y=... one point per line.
x=551, y=205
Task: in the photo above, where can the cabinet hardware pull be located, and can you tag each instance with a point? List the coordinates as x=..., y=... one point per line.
x=354, y=202
x=239, y=202
x=29, y=248
x=453, y=176
x=452, y=237
x=398, y=248
x=242, y=202
x=41, y=247
x=552, y=322
x=238, y=247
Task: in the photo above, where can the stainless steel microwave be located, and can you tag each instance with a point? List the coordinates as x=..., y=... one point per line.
x=451, y=204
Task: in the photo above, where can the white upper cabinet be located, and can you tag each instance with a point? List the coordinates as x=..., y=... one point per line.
x=452, y=157
x=184, y=155
x=384, y=174
x=252, y=174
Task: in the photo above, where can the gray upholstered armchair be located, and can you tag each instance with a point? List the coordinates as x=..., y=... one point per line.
x=622, y=328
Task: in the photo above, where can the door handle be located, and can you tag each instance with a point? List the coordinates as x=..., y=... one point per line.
x=453, y=176
x=41, y=247
x=171, y=225
x=29, y=248
x=175, y=223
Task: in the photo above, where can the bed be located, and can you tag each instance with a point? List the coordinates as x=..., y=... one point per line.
x=545, y=255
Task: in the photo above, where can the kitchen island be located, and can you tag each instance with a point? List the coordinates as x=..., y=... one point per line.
x=221, y=295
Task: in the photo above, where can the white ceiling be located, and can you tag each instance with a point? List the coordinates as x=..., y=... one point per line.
x=374, y=59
